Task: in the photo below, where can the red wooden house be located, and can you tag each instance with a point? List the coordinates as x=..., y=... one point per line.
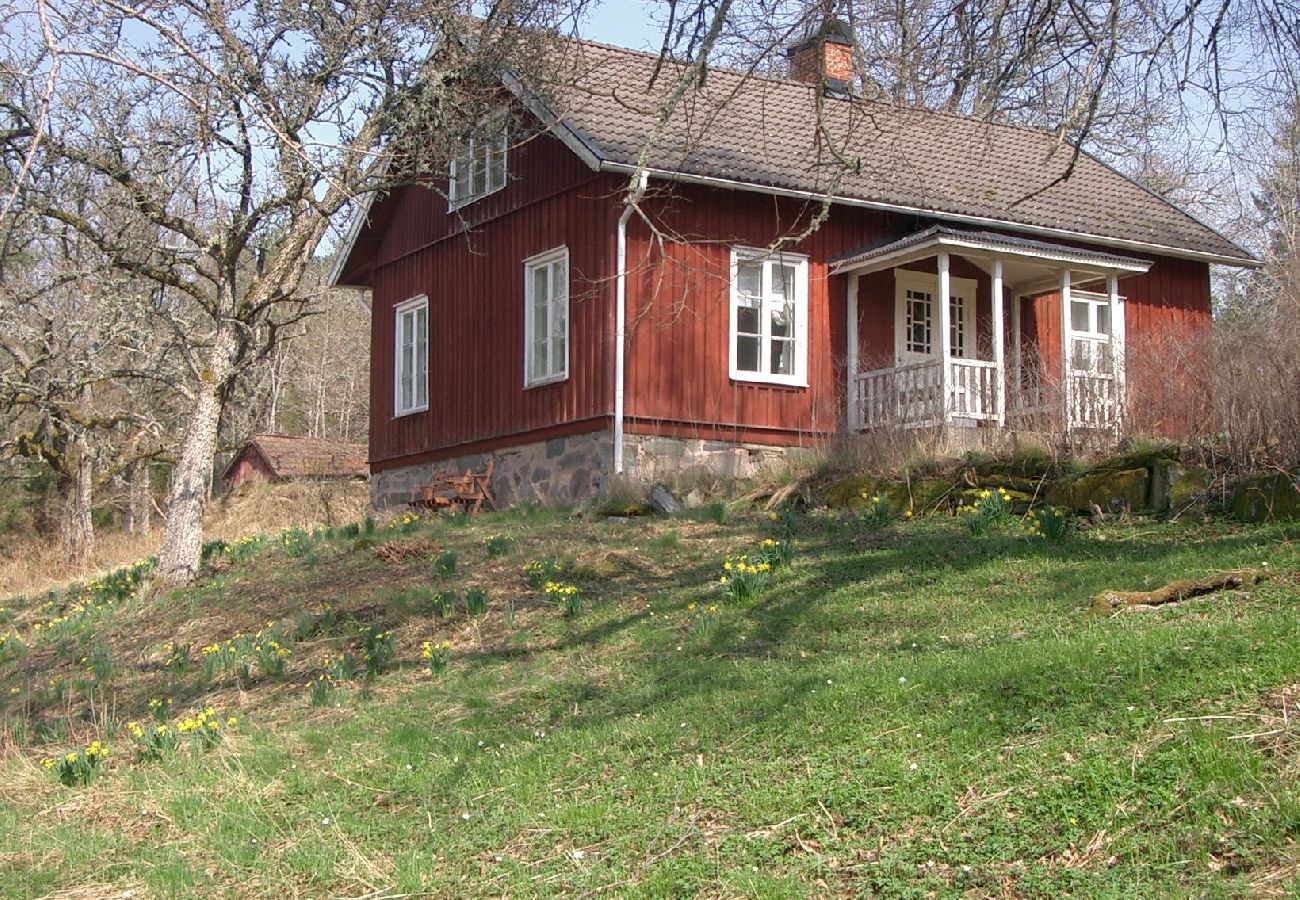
x=801, y=263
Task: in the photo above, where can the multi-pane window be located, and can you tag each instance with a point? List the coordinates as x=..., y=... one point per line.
x=769, y=307
x=919, y=315
x=1090, y=339
x=546, y=322
x=480, y=167
x=411, y=375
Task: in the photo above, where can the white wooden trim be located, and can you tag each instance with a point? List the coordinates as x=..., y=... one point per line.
x=945, y=336
x=853, y=351
x=799, y=262
x=1017, y=352
x=1117, y=354
x=399, y=311
x=1065, y=348
x=546, y=259
x=998, y=342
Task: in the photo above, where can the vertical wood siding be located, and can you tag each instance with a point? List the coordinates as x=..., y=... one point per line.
x=677, y=381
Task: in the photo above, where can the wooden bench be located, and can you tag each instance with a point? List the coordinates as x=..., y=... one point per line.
x=471, y=491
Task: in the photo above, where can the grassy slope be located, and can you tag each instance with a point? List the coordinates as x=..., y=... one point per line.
x=920, y=712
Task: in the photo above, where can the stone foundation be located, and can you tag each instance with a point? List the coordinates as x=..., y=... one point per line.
x=572, y=469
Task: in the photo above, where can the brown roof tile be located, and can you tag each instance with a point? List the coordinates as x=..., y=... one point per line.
x=301, y=457
x=764, y=132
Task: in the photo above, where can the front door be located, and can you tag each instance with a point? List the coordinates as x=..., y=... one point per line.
x=917, y=317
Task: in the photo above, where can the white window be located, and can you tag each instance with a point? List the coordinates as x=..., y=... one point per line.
x=480, y=168
x=411, y=371
x=1090, y=329
x=546, y=317
x=769, y=317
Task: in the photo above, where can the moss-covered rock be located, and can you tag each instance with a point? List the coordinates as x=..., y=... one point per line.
x=1265, y=498
x=1110, y=491
x=929, y=494
x=1029, y=463
x=625, y=509
x=1178, y=488
x=1142, y=457
x=847, y=492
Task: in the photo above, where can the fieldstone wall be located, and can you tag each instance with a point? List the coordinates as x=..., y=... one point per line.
x=576, y=468
x=652, y=458
x=561, y=470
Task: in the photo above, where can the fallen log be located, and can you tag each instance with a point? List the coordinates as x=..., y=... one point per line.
x=1116, y=601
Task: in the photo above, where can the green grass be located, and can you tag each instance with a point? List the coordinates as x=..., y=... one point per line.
x=913, y=711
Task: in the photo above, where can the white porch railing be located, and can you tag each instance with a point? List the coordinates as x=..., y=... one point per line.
x=911, y=396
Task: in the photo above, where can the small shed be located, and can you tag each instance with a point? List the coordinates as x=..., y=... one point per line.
x=278, y=457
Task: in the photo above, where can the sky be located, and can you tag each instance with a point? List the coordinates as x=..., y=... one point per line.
x=626, y=23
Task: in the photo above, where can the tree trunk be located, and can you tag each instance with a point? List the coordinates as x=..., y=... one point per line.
x=182, y=540
x=139, y=505
x=78, y=524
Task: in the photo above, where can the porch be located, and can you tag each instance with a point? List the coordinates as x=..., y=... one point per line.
x=986, y=330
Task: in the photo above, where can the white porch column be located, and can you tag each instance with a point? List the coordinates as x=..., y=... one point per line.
x=1065, y=349
x=852, y=351
x=1117, y=355
x=1000, y=373
x=945, y=336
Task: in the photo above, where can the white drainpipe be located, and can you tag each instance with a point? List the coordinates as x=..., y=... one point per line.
x=620, y=316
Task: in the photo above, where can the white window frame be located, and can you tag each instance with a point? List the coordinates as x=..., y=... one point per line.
x=1099, y=343
x=797, y=261
x=403, y=318
x=491, y=138
x=557, y=370
x=928, y=282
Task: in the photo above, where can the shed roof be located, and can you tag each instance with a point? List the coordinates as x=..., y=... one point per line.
x=302, y=457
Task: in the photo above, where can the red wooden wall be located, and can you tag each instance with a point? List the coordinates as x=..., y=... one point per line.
x=470, y=266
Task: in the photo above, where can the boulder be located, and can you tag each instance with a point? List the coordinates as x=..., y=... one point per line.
x=663, y=501
x=694, y=499
x=1110, y=491
x=1177, y=488
x=1265, y=498
x=847, y=492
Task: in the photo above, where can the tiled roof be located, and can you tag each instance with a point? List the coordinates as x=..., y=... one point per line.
x=300, y=457
x=763, y=132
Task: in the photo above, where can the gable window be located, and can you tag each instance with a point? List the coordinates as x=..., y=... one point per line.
x=546, y=317
x=769, y=317
x=411, y=371
x=480, y=168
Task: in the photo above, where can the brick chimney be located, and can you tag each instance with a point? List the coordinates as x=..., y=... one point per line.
x=825, y=57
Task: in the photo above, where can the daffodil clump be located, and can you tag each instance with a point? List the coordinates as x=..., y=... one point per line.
x=776, y=553
x=321, y=690
x=436, y=655
x=564, y=595
x=377, y=649
x=745, y=578
x=160, y=708
x=539, y=571
x=1049, y=523
x=11, y=645
x=219, y=657
x=702, y=617
x=294, y=541
x=153, y=741
x=234, y=551
x=444, y=563
x=266, y=651
x=405, y=523
x=177, y=658
x=77, y=767
x=990, y=508
x=875, y=513
x=497, y=545
x=205, y=728
x=476, y=601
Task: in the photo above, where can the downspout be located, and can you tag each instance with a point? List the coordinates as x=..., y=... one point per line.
x=620, y=315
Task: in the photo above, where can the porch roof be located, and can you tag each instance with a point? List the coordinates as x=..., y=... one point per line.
x=1028, y=264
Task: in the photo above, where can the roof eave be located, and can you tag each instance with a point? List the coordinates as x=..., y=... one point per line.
x=1249, y=261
